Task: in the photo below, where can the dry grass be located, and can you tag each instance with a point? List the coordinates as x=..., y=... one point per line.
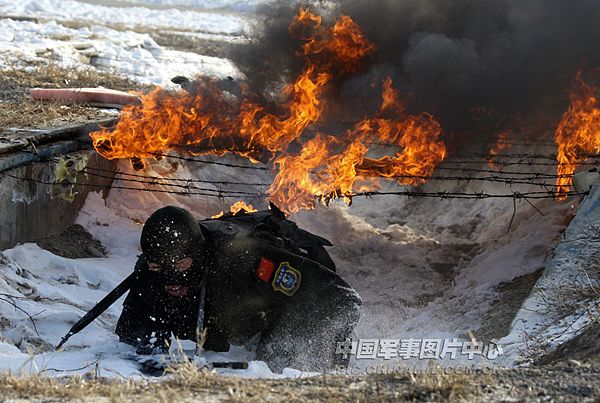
x=139, y=28
x=37, y=114
x=55, y=76
x=563, y=300
x=567, y=381
x=17, y=109
x=61, y=37
x=188, y=383
x=185, y=381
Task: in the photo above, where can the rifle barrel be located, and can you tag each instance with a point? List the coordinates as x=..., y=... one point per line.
x=100, y=307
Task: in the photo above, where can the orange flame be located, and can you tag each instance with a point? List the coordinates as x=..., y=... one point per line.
x=328, y=167
x=165, y=121
x=578, y=133
x=236, y=208
x=343, y=47
x=207, y=121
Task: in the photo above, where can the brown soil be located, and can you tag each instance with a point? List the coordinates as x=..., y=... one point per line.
x=503, y=309
x=74, y=243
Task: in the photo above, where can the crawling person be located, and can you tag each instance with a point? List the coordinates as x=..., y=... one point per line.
x=241, y=277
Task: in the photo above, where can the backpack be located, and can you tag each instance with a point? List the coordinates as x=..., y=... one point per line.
x=270, y=226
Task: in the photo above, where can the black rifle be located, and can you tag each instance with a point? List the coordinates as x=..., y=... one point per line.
x=100, y=307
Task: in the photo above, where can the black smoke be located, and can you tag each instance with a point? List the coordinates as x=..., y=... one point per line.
x=468, y=62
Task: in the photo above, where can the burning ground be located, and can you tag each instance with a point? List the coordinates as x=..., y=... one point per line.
x=369, y=103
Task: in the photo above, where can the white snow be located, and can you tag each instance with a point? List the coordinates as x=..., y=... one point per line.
x=237, y=5
x=387, y=250
x=67, y=10
x=99, y=46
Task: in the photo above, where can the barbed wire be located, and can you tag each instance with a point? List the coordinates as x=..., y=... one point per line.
x=474, y=196
x=167, y=179
x=523, y=155
x=507, y=180
x=192, y=159
x=156, y=180
x=519, y=163
x=517, y=175
x=446, y=162
x=513, y=142
x=188, y=183
x=153, y=180
x=525, y=160
x=504, y=172
x=221, y=194
x=508, y=143
x=188, y=187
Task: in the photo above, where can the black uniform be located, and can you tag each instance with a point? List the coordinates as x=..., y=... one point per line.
x=262, y=275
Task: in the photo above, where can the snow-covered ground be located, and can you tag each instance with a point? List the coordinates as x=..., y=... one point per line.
x=66, y=10
x=426, y=268
x=109, y=41
x=236, y=5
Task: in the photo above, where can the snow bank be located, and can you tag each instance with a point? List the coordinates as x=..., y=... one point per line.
x=127, y=16
x=235, y=5
x=126, y=53
x=540, y=326
x=108, y=42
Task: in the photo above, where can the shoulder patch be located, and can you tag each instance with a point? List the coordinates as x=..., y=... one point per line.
x=287, y=279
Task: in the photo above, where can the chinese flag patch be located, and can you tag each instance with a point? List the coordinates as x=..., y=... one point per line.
x=265, y=269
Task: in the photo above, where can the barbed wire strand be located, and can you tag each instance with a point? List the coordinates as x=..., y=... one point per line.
x=408, y=193
x=155, y=180
x=188, y=182
x=529, y=180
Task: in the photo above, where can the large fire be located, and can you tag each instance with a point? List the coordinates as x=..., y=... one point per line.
x=328, y=166
x=206, y=120
x=578, y=134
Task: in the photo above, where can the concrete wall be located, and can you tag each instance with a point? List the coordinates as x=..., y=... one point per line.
x=28, y=211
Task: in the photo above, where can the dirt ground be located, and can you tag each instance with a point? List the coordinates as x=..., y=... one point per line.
x=503, y=309
x=567, y=381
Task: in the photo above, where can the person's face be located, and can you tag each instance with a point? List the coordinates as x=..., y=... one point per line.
x=180, y=266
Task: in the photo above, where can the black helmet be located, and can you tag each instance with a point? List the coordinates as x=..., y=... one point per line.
x=169, y=235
